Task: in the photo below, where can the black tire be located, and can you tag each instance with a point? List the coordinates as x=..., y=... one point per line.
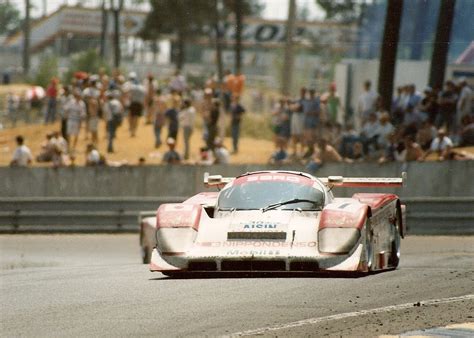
x=369, y=248
x=395, y=246
x=146, y=255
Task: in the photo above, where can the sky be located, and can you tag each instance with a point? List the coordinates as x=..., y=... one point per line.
x=274, y=9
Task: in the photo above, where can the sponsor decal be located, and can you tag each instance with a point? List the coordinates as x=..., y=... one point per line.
x=260, y=225
x=256, y=244
x=237, y=252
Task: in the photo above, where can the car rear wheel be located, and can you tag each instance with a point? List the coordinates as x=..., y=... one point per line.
x=395, y=247
x=369, y=248
x=146, y=254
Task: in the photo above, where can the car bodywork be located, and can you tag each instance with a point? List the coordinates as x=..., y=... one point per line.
x=246, y=227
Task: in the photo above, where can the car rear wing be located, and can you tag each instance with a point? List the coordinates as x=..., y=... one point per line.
x=216, y=180
x=365, y=182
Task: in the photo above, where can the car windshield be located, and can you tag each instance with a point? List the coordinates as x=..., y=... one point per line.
x=257, y=195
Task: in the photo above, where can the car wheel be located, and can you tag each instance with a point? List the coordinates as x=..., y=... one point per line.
x=146, y=255
x=395, y=247
x=369, y=248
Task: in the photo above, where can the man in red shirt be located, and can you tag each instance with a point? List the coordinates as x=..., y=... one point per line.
x=51, y=94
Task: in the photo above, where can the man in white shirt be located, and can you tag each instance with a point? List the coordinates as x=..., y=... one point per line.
x=365, y=104
x=464, y=104
x=441, y=145
x=186, y=119
x=22, y=156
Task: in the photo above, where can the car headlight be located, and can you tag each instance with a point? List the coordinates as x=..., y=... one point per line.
x=337, y=240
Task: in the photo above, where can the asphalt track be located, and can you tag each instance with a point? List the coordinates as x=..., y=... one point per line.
x=93, y=285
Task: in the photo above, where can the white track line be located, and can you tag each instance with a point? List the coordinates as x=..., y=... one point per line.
x=384, y=309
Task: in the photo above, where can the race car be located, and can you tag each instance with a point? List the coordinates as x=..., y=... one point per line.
x=277, y=221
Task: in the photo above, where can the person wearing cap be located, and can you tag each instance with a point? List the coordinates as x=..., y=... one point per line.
x=441, y=145
x=171, y=156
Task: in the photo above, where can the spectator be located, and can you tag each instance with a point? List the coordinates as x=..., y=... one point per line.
x=236, y=111
x=212, y=123
x=93, y=157
x=297, y=122
x=425, y=135
x=365, y=104
x=51, y=94
x=397, y=106
x=227, y=89
x=48, y=149
x=151, y=87
x=312, y=111
x=429, y=104
x=205, y=156
x=93, y=123
x=467, y=131
x=136, y=96
x=171, y=156
x=412, y=151
x=385, y=128
x=12, y=102
x=285, y=120
x=464, y=104
x=221, y=153
x=178, y=83
x=333, y=104
x=63, y=99
x=172, y=116
x=22, y=156
x=349, y=137
x=326, y=153
x=280, y=156
x=187, y=116
x=370, y=134
x=75, y=111
x=393, y=150
x=441, y=145
x=357, y=153
x=158, y=109
x=91, y=91
x=113, y=115
x=237, y=84
x=447, y=106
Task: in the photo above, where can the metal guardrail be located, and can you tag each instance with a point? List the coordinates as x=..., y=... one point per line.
x=425, y=216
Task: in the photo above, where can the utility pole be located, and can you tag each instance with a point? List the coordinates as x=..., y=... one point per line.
x=287, y=71
x=439, y=57
x=388, y=53
x=103, y=32
x=117, y=10
x=237, y=4
x=26, y=39
x=217, y=28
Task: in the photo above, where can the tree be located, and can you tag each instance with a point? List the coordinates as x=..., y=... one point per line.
x=9, y=18
x=441, y=43
x=388, y=53
x=240, y=9
x=184, y=18
x=288, y=65
x=26, y=39
x=342, y=10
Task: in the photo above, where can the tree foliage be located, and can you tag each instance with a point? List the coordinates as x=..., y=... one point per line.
x=342, y=10
x=9, y=18
x=47, y=69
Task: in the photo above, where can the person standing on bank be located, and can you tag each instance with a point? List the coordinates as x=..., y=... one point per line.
x=236, y=111
x=113, y=115
x=187, y=115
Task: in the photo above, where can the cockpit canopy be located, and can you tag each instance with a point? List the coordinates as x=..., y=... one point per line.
x=261, y=191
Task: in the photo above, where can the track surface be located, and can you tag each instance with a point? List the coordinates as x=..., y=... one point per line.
x=92, y=285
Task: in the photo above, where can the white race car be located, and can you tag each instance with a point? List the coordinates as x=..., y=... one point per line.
x=277, y=221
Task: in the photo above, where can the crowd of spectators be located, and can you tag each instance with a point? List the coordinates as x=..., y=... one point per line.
x=172, y=108
x=308, y=129
x=416, y=126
